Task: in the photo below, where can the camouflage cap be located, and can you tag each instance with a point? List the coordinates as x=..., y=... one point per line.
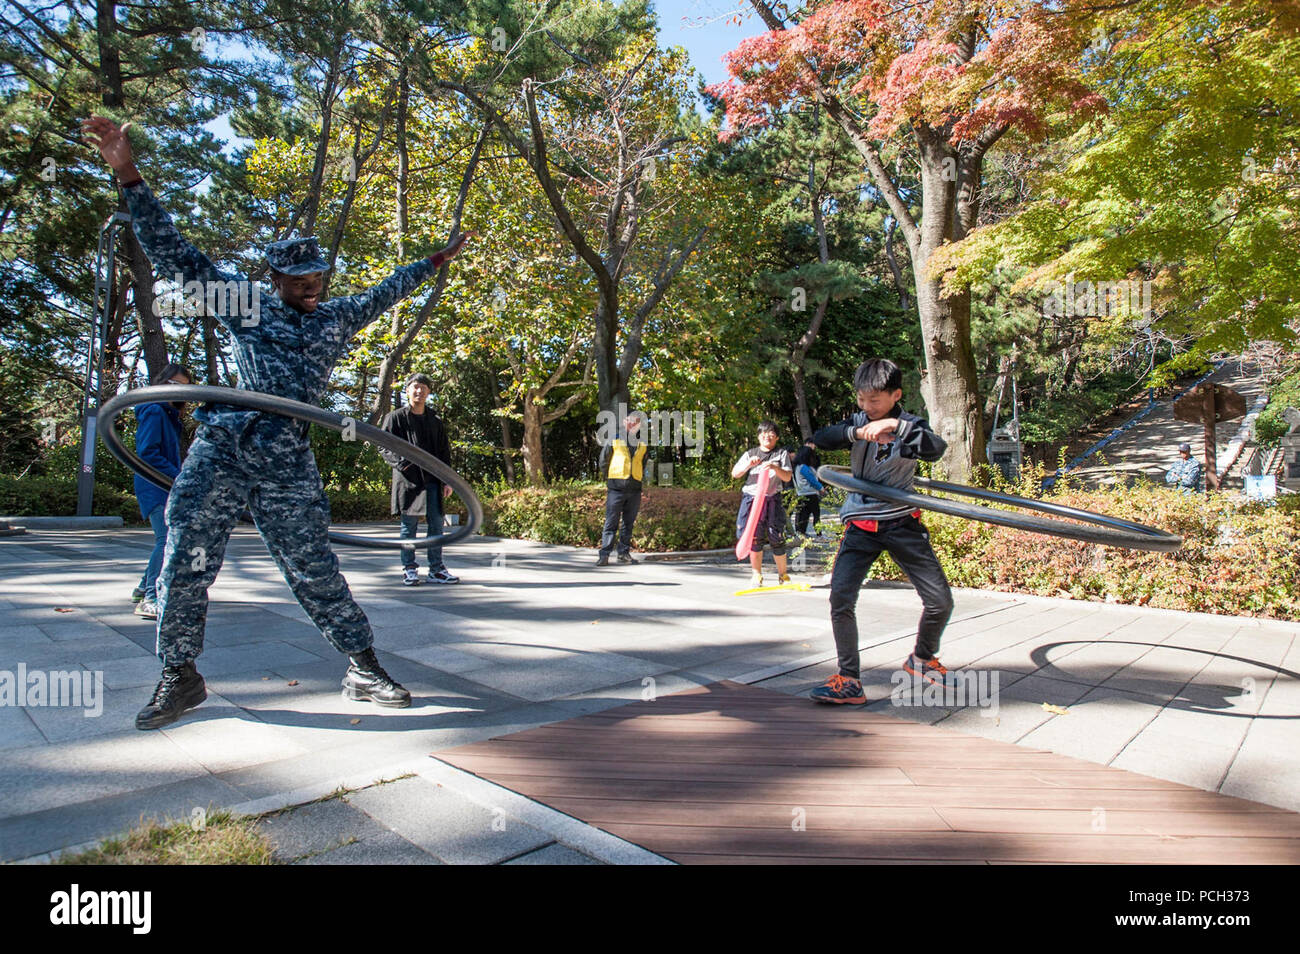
x=296, y=256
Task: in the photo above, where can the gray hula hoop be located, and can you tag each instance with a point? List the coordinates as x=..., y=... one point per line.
x=1106, y=530
x=270, y=403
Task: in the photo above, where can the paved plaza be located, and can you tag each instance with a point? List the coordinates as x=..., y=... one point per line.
x=535, y=635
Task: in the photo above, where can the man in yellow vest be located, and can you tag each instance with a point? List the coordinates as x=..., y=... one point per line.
x=622, y=460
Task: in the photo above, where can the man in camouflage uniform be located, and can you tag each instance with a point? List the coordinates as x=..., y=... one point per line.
x=286, y=345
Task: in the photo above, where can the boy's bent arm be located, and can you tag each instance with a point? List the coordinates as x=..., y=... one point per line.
x=835, y=436
x=919, y=441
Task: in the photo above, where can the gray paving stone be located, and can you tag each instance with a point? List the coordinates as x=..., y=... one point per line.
x=385, y=848
x=535, y=682
x=117, y=711
x=554, y=855
x=317, y=827
x=17, y=729
x=42, y=777
x=129, y=672
x=76, y=822
x=253, y=656
x=446, y=824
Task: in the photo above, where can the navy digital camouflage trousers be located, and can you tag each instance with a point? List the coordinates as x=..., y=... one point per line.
x=269, y=468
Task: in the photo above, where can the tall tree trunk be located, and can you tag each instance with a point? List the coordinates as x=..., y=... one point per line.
x=949, y=205
x=505, y=434
x=112, y=95
x=799, y=353
x=904, y=299
x=388, y=366
x=210, y=350
x=533, y=467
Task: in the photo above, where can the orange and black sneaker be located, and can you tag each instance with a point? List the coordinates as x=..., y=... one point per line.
x=931, y=670
x=840, y=690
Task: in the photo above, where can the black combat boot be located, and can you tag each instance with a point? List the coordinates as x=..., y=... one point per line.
x=180, y=688
x=367, y=681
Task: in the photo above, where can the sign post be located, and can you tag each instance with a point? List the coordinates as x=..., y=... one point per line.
x=1208, y=405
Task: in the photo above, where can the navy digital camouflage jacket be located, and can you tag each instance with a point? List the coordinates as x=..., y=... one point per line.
x=278, y=349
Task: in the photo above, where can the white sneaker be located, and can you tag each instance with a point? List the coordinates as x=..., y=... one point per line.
x=411, y=576
x=442, y=576
x=146, y=609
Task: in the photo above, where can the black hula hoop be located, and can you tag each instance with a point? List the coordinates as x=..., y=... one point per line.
x=270, y=403
x=1107, y=531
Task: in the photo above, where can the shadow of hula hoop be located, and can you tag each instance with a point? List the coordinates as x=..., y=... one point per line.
x=1105, y=530
x=1041, y=653
x=272, y=404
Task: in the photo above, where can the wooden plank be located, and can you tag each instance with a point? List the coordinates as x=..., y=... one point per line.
x=1118, y=821
x=1046, y=782
x=949, y=759
x=602, y=811
x=679, y=842
x=726, y=773
x=867, y=792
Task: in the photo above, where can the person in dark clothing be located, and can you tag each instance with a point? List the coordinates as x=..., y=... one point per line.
x=622, y=461
x=286, y=345
x=417, y=492
x=808, y=488
x=886, y=444
x=158, y=443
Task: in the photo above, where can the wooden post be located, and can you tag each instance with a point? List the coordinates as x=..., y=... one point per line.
x=1211, y=451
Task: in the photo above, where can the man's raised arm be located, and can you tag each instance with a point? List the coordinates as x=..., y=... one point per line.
x=169, y=252
x=368, y=305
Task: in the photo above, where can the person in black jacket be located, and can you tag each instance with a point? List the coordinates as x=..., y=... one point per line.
x=886, y=443
x=417, y=492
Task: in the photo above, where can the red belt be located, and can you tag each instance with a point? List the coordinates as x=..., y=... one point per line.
x=871, y=526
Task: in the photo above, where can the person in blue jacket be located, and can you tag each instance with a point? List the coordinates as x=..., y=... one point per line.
x=157, y=442
x=808, y=488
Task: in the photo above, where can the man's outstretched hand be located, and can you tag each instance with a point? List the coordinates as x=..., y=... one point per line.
x=110, y=139
x=452, y=250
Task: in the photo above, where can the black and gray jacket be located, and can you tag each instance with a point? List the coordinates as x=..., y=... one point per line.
x=893, y=465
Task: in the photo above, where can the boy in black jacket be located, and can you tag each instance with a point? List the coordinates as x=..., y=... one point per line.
x=887, y=442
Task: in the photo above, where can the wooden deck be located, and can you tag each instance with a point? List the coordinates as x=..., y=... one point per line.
x=734, y=774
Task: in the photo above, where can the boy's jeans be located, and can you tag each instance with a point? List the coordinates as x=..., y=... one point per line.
x=149, y=582
x=411, y=527
x=908, y=542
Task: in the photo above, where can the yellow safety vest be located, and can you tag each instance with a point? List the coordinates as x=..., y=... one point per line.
x=623, y=464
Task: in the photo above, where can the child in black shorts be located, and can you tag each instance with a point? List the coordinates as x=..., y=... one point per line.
x=771, y=526
x=886, y=443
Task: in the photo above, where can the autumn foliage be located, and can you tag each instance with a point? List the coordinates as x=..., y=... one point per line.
x=913, y=64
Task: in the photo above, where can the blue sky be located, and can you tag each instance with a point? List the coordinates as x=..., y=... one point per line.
x=701, y=26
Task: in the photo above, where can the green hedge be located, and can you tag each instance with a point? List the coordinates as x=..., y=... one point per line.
x=671, y=518
x=57, y=497
x=1235, y=559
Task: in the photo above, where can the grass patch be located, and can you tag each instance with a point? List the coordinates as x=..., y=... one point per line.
x=222, y=840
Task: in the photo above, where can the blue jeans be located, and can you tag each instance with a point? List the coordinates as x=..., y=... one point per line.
x=411, y=526
x=149, y=582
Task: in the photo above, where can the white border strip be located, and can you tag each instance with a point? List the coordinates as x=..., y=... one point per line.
x=567, y=830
